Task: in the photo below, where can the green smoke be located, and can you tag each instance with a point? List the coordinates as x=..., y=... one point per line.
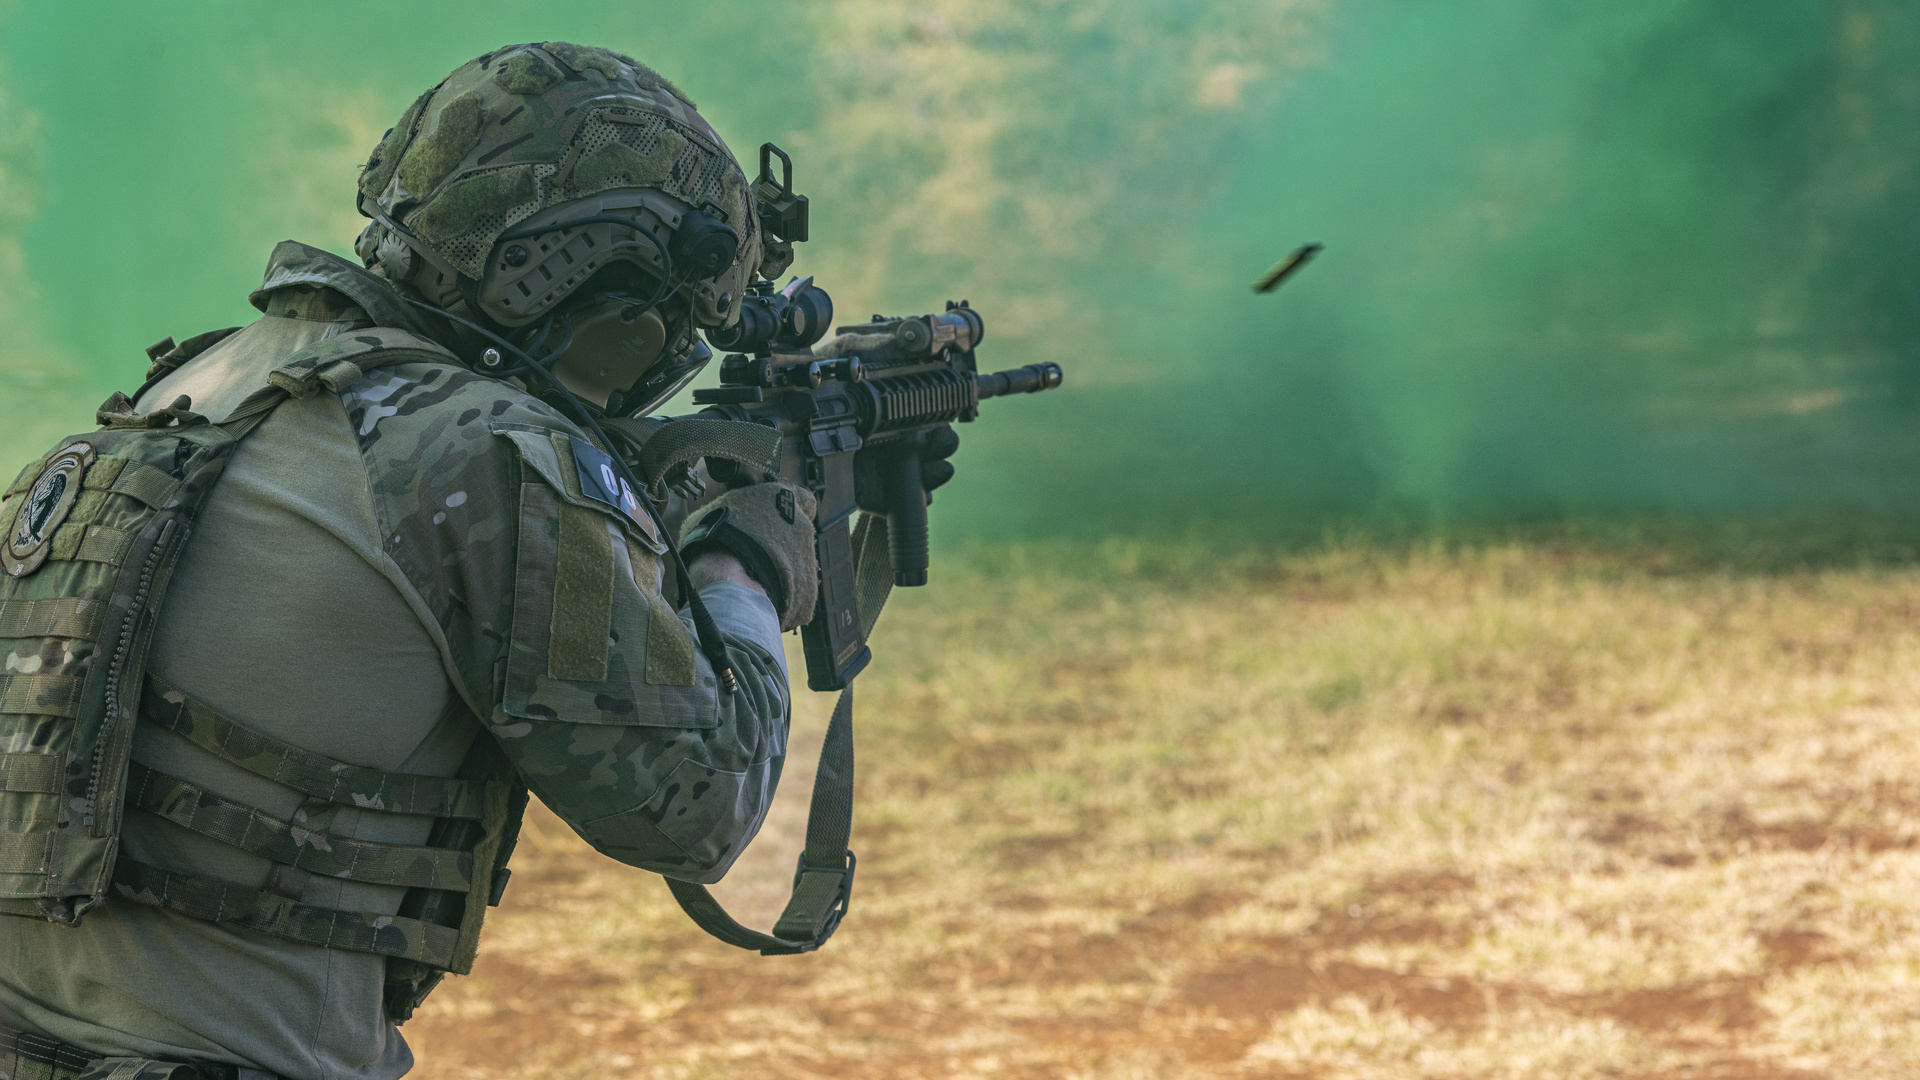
x=1645, y=259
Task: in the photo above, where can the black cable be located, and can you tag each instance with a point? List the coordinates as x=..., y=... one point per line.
x=566, y=342
x=704, y=627
x=546, y=325
x=666, y=290
x=674, y=327
x=528, y=343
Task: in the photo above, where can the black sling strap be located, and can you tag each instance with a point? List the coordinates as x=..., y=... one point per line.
x=823, y=882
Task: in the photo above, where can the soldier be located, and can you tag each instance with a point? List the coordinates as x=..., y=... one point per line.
x=283, y=800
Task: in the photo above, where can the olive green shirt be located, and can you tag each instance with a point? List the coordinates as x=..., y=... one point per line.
x=291, y=613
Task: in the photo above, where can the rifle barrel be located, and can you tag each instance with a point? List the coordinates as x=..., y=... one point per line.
x=1022, y=380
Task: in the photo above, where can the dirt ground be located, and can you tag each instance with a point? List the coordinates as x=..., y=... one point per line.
x=1506, y=812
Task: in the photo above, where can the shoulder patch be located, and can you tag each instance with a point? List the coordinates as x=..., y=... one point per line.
x=42, y=508
x=599, y=482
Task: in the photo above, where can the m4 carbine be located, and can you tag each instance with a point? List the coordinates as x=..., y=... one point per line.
x=874, y=393
x=881, y=387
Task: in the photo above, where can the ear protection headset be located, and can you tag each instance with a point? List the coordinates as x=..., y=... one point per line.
x=703, y=245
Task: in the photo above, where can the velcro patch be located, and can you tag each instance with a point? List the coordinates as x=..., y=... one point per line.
x=39, y=515
x=601, y=483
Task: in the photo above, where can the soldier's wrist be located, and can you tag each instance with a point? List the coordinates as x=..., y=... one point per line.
x=716, y=565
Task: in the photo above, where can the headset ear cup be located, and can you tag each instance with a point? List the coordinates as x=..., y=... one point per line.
x=395, y=258
x=703, y=246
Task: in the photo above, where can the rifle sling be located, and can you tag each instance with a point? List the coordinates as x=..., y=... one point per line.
x=823, y=882
x=824, y=879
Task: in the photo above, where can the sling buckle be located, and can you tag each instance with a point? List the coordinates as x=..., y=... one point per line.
x=836, y=909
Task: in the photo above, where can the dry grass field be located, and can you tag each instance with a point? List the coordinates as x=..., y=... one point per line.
x=1498, y=812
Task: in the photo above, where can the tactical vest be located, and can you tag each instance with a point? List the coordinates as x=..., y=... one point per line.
x=93, y=532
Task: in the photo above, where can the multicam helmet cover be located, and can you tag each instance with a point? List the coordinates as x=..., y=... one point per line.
x=527, y=129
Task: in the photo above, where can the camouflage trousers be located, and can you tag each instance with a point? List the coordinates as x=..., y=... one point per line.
x=25, y=1056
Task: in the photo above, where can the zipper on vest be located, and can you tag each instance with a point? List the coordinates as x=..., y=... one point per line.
x=136, y=613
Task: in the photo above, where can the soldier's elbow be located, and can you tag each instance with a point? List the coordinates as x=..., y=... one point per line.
x=643, y=845
x=693, y=827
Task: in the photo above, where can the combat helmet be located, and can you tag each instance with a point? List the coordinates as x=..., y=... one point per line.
x=567, y=198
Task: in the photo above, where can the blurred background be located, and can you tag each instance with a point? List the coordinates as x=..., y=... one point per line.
x=1177, y=769
x=1650, y=262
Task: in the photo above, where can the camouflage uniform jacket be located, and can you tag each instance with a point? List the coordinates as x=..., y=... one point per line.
x=386, y=572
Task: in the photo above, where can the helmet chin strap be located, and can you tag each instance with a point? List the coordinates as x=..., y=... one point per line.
x=704, y=627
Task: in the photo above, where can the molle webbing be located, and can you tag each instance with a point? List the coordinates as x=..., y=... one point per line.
x=479, y=805
x=43, y=695
x=25, y=1056
x=61, y=617
x=74, y=625
x=237, y=905
x=148, y=483
x=39, y=773
x=24, y=852
x=305, y=771
x=253, y=830
x=81, y=542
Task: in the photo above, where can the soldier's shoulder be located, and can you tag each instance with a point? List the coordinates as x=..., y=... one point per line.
x=404, y=408
x=445, y=453
x=445, y=484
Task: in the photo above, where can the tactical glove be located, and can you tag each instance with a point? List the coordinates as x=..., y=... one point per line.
x=933, y=448
x=769, y=528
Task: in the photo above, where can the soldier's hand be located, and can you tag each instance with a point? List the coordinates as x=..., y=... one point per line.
x=933, y=448
x=768, y=528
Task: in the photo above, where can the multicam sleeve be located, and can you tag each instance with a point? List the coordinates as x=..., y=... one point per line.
x=659, y=769
x=550, y=605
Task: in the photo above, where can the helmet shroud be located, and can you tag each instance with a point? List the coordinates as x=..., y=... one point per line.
x=543, y=135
